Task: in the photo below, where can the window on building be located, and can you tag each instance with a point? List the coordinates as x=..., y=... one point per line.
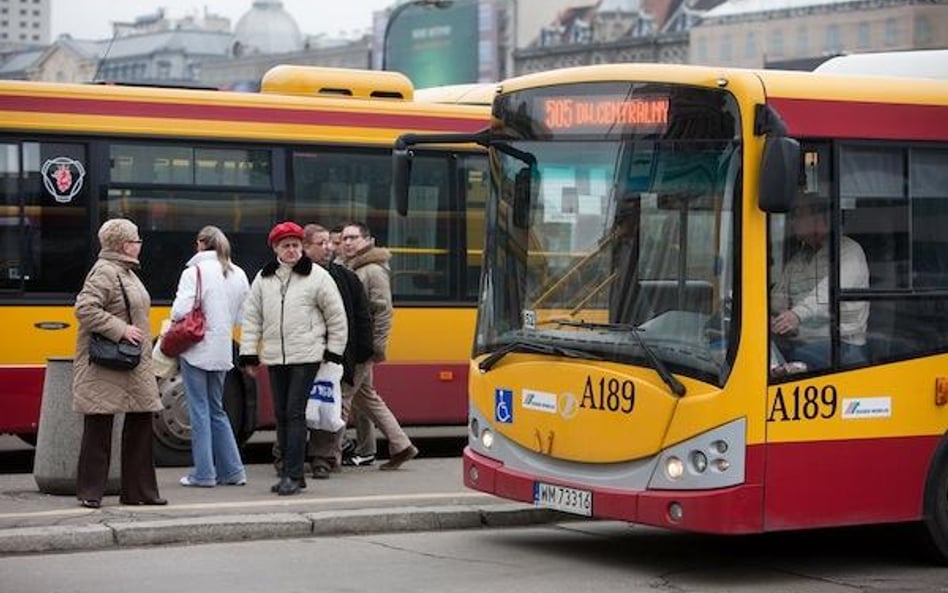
x=726, y=48
x=833, y=43
x=776, y=43
x=750, y=45
x=923, y=31
x=803, y=41
x=891, y=32
x=863, y=37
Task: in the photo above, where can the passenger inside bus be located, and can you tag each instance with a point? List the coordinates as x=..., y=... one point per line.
x=799, y=301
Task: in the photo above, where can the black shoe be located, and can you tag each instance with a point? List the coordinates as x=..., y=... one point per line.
x=90, y=503
x=396, y=460
x=276, y=487
x=320, y=473
x=289, y=487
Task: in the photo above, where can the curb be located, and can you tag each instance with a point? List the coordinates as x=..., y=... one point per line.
x=233, y=528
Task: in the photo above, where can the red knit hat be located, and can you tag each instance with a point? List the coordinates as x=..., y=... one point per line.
x=284, y=230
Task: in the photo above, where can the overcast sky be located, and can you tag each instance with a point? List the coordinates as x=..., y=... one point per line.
x=91, y=19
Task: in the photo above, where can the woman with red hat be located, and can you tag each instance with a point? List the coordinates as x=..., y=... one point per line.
x=294, y=320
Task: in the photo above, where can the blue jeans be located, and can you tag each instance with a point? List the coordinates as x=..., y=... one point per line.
x=290, y=385
x=816, y=354
x=213, y=446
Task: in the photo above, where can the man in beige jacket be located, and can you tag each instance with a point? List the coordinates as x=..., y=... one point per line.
x=370, y=263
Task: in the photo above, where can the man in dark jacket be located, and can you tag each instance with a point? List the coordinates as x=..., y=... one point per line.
x=326, y=447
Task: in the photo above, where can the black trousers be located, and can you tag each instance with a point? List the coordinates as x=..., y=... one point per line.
x=139, y=483
x=290, y=385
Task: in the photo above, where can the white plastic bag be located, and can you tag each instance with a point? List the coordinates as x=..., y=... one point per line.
x=164, y=367
x=324, y=408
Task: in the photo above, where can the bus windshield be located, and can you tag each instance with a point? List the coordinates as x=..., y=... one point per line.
x=612, y=225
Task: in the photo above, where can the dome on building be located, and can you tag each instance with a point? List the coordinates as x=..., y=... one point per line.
x=267, y=29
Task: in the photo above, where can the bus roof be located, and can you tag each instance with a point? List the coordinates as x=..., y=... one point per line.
x=911, y=64
x=481, y=93
x=184, y=113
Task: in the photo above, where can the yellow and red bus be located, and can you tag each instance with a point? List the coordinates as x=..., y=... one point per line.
x=313, y=145
x=638, y=219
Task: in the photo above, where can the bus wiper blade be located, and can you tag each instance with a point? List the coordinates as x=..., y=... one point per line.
x=524, y=346
x=674, y=385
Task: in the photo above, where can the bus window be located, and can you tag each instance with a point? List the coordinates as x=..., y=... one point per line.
x=169, y=219
x=11, y=260
x=331, y=188
x=54, y=189
x=904, y=242
x=474, y=176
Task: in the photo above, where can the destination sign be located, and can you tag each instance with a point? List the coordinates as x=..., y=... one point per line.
x=604, y=114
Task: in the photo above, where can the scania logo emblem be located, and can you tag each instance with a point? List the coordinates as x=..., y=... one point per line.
x=63, y=178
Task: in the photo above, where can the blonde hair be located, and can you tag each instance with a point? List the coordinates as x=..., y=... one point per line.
x=115, y=232
x=214, y=238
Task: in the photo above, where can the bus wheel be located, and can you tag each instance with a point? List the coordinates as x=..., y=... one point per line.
x=936, y=509
x=172, y=425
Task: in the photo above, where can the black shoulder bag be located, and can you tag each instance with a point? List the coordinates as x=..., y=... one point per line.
x=120, y=356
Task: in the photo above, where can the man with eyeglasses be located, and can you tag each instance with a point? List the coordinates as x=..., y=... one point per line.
x=370, y=263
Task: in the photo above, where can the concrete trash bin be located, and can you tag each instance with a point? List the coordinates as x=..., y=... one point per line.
x=60, y=435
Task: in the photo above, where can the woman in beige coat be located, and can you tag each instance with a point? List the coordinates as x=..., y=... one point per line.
x=98, y=392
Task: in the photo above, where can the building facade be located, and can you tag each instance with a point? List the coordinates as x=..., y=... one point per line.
x=24, y=23
x=802, y=33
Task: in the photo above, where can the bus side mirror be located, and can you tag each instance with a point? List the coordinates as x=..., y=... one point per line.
x=523, y=193
x=401, y=178
x=779, y=174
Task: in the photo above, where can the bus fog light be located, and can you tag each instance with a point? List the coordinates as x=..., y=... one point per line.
x=719, y=447
x=674, y=468
x=473, y=474
x=675, y=512
x=487, y=438
x=699, y=461
x=721, y=465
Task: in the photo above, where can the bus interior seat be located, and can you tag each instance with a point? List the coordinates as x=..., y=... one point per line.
x=659, y=296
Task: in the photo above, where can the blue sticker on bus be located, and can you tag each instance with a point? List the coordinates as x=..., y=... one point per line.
x=503, y=405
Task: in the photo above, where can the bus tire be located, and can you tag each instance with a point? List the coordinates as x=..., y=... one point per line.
x=935, y=516
x=172, y=425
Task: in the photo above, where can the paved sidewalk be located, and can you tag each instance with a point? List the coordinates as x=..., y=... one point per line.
x=425, y=494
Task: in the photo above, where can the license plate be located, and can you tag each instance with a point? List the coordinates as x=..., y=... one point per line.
x=561, y=498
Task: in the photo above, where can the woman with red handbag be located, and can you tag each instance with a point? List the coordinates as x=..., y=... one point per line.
x=216, y=286
x=294, y=319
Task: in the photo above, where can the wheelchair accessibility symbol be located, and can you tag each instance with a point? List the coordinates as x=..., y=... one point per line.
x=503, y=405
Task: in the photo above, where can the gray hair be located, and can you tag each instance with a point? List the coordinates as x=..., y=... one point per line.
x=115, y=232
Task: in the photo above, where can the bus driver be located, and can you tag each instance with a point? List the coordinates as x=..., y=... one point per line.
x=799, y=302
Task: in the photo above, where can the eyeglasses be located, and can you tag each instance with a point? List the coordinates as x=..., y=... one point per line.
x=134, y=241
x=351, y=237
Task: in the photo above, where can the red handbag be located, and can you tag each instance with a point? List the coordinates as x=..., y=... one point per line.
x=187, y=331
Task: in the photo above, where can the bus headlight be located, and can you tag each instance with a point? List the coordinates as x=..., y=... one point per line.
x=487, y=438
x=674, y=468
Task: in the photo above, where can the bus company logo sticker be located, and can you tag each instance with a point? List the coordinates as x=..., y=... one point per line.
x=63, y=178
x=569, y=406
x=867, y=407
x=503, y=406
x=529, y=319
x=541, y=401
